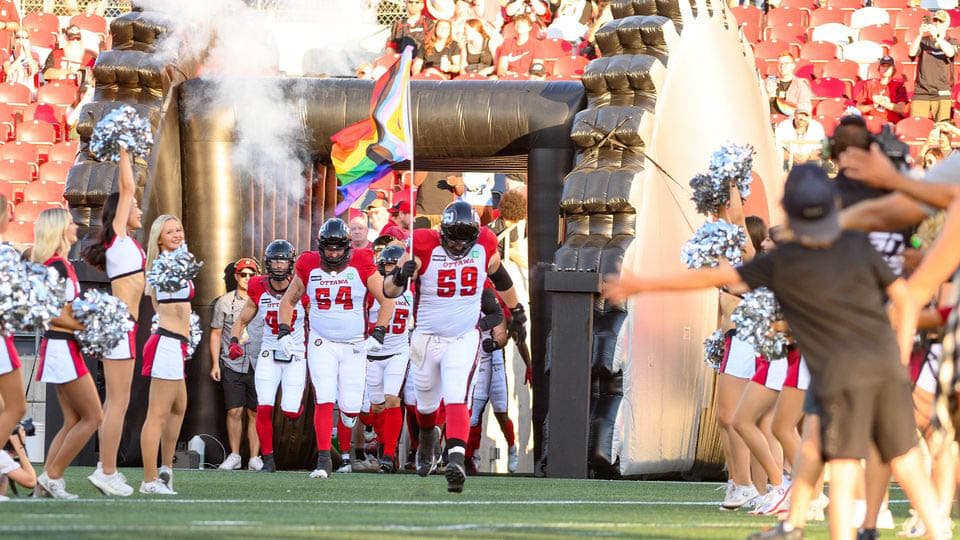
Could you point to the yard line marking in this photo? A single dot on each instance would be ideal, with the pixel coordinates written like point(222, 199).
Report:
point(379, 502)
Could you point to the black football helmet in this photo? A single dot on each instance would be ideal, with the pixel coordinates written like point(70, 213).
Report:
point(278, 252)
point(334, 234)
point(390, 255)
point(459, 229)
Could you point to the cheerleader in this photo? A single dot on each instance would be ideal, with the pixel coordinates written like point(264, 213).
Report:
point(118, 254)
point(60, 362)
point(13, 405)
point(163, 360)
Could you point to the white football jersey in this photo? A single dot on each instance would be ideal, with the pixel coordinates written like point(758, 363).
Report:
point(397, 339)
point(336, 298)
point(268, 310)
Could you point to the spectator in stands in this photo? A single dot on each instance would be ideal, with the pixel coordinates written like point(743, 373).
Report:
point(415, 26)
point(440, 54)
point(884, 96)
point(9, 16)
point(69, 61)
point(359, 232)
point(84, 96)
point(934, 53)
point(537, 71)
point(571, 19)
point(939, 139)
point(379, 214)
point(477, 53)
point(519, 52)
point(533, 10)
point(22, 67)
point(789, 92)
point(236, 375)
point(463, 11)
point(800, 138)
point(401, 216)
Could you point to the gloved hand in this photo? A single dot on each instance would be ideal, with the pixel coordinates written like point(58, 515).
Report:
point(489, 345)
point(375, 342)
point(285, 340)
point(235, 351)
point(517, 326)
point(404, 273)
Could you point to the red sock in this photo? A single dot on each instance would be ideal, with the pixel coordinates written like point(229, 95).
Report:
point(265, 428)
point(508, 433)
point(427, 420)
point(474, 443)
point(441, 415)
point(412, 426)
point(458, 425)
point(294, 416)
point(366, 418)
point(344, 434)
point(392, 425)
point(323, 424)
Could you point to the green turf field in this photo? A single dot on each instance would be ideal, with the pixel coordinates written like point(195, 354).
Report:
point(290, 505)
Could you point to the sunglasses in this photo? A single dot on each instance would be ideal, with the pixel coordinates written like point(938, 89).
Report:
point(246, 274)
point(74, 37)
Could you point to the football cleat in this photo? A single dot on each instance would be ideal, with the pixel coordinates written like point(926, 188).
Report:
point(387, 465)
point(324, 465)
point(411, 464)
point(346, 467)
point(426, 456)
point(268, 464)
point(513, 459)
point(456, 473)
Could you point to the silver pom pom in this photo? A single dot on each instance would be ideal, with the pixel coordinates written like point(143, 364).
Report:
point(713, 349)
point(754, 318)
point(121, 127)
point(172, 270)
point(30, 294)
point(106, 321)
point(196, 332)
point(734, 163)
point(714, 239)
point(709, 194)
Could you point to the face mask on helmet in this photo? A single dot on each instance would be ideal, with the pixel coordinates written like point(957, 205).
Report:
point(334, 243)
point(459, 229)
point(388, 259)
point(279, 269)
point(278, 259)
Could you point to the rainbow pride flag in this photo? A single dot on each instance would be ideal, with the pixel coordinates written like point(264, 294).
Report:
point(364, 152)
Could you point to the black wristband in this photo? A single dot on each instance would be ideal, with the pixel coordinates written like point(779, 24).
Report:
point(379, 333)
point(234, 340)
point(283, 330)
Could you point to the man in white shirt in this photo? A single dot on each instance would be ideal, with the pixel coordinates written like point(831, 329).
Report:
point(800, 138)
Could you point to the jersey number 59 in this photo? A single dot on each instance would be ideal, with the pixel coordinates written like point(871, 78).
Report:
point(447, 282)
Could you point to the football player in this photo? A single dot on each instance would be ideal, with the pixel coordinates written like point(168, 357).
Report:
point(275, 368)
point(336, 279)
point(450, 267)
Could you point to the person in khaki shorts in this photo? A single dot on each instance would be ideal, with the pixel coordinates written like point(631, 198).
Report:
point(934, 53)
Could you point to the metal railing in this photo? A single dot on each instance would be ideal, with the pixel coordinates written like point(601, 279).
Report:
point(69, 8)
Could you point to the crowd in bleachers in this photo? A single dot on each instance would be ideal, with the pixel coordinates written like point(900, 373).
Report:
point(855, 58)
point(47, 77)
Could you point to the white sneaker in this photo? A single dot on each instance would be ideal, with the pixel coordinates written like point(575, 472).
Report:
point(157, 487)
point(737, 496)
point(885, 519)
point(232, 463)
point(112, 484)
point(55, 488)
point(513, 459)
point(4, 498)
point(318, 473)
point(776, 499)
point(817, 507)
point(165, 475)
point(255, 463)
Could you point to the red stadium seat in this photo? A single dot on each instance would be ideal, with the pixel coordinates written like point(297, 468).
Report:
point(14, 94)
point(880, 33)
point(834, 107)
point(788, 33)
point(806, 70)
point(8, 115)
point(29, 211)
point(845, 4)
point(37, 132)
point(90, 22)
point(43, 28)
point(818, 51)
point(54, 171)
point(20, 151)
point(552, 49)
point(776, 118)
point(914, 128)
point(829, 123)
point(828, 15)
point(910, 18)
point(59, 93)
point(770, 50)
point(785, 15)
point(19, 233)
point(954, 17)
point(570, 66)
point(45, 192)
point(828, 87)
point(844, 70)
point(749, 15)
point(874, 123)
point(900, 52)
point(807, 5)
point(16, 172)
point(9, 190)
point(892, 5)
point(64, 151)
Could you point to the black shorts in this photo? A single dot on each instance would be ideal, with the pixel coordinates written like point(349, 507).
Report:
point(852, 418)
point(239, 389)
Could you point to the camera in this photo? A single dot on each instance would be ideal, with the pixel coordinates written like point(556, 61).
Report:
point(28, 429)
point(852, 132)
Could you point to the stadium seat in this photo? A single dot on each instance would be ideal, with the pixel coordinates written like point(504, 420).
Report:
point(910, 18)
point(806, 70)
point(869, 16)
point(428, 76)
point(16, 172)
point(863, 53)
point(19, 233)
point(914, 128)
point(880, 33)
point(54, 171)
point(43, 28)
point(828, 15)
point(46, 192)
point(570, 66)
point(14, 94)
point(785, 15)
point(37, 132)
point(770, 50)
point(807, 5)
point(90, 22)
point(874, 123)
point(776, 118)
point(64, 151)
point(954, 16)
point(828, 87)
point(61, 94)
point(900, 52)
point(836, 33)
point(747, 15)
point(8, 115)
point(889, 5)
point(20, 151)
point(795, 35)
point(844, 4)
point(29, 211)
point(555, 48)
point(844, 70)
point(9, 190)
point(829, 123)
point(954, 32)
point(818, 51)
point(834, 107)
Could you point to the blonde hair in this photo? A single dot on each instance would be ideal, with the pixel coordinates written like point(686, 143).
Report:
point(50, 234)
point(153, 243)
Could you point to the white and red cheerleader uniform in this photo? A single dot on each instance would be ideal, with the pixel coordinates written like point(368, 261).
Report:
point(165, 353)
point(445, 345)
point(9, 359)
point(274, 368)
point(60, 358)
point(124, 257)
point(739, 358)
point(790, 372)
point(335, 350)
point(387, 370)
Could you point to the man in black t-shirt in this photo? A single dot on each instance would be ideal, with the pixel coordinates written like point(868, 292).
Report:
point(831, 285)
point(934, 53)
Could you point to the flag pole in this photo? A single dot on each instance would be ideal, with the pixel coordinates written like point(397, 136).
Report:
point(413, 179)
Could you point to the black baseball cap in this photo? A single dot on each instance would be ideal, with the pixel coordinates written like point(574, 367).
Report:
point(887, 60)
point(810, 200)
